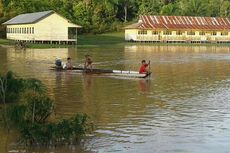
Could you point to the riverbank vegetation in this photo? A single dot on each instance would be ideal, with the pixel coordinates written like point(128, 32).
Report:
point(100, 16)
point(31, 112)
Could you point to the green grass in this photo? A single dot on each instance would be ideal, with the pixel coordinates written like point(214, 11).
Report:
point(107, 39)
point(86, 40)
point(101, 39)
point(6, 42)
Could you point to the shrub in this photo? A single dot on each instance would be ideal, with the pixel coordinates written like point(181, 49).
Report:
point(31, 116)
point(16, 86)
point(16, 115)
point(39, 108)
point(66, 131)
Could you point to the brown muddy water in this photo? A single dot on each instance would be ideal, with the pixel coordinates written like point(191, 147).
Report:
point(183, 108)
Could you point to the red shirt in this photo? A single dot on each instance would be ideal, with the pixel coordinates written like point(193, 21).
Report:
point(143, 68)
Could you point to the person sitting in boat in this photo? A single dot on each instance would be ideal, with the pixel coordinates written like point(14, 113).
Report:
point(88, 62)
point(143, 67)
point(69, 64)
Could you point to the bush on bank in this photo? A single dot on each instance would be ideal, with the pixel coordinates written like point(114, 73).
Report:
point(32, 111)
point(12, 87)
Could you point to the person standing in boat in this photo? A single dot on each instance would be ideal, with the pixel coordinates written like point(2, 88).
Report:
point(88, 62)
point(69, 65)
point(143, 67)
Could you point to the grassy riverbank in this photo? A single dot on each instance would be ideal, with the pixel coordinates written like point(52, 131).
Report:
point(88, 40)
point(107, 39)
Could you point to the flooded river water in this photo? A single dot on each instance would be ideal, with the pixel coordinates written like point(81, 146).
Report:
point(184, 107)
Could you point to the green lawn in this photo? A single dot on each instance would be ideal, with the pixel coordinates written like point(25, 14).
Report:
point(6, 42)
point(102, 39)
point(107, 39)
point(85, 40)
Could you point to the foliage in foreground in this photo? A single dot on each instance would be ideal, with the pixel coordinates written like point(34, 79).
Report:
point(32, 116)
point(13, 87)
point(45, 132)
point(66, 131)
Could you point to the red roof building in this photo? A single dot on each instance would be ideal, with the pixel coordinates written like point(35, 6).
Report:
point(179, 28)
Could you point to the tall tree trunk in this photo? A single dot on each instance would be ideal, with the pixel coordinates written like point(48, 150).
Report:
point(125, 9)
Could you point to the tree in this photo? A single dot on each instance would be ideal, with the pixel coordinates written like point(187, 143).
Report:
point(1, 9)
point(225, 9)
point(214, 7)
point(126, 5)
point(150, 7)
point(83, 15)
point(166, 2)
point(194, 7)
point(170, 9)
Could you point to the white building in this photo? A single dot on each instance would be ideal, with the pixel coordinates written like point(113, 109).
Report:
point(47, 26)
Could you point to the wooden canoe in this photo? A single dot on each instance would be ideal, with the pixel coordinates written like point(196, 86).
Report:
point(119, 73)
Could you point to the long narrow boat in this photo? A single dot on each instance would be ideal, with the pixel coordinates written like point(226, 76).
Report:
point(120, 73)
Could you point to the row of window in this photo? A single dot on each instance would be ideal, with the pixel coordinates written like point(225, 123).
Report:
point(26, 30)
point(144, 32)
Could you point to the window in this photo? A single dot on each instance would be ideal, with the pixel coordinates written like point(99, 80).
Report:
point(33, 30)
point(224, 33)
point(178, 33)
point(202, 33)
point(167, 33)
point(142, 32)
point(154, 32)
point(27, 30)
point(30, 30)
point(191, 33)
point(213, 33)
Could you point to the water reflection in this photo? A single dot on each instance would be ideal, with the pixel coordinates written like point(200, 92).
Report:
point(144, 85)
point(183, 107)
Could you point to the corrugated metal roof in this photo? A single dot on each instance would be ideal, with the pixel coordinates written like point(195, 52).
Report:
point(181, 22)
point(28, 18)
point(135, 25)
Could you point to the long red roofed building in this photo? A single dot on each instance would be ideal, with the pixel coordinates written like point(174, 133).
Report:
point(179, 29)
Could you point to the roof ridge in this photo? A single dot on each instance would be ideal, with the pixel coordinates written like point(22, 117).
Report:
point(182, 22)
point(29, 18)
point(35, 12)
point(184, 16)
